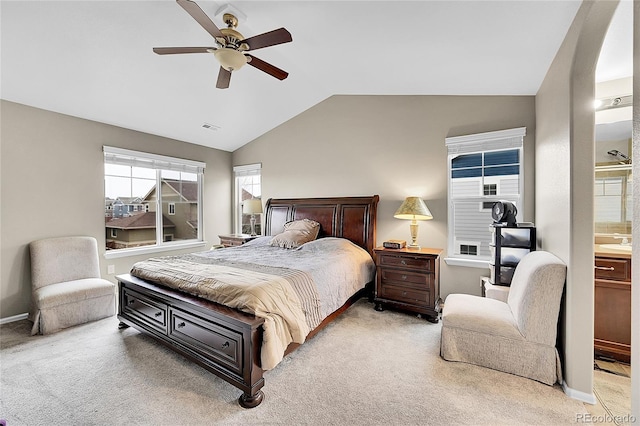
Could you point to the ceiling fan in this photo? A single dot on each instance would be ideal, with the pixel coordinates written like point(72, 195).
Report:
point(231, 45)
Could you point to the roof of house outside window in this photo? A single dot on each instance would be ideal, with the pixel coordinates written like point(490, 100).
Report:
point(139, 221)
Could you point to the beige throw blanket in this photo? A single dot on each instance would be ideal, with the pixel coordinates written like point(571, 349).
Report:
point(286, 298)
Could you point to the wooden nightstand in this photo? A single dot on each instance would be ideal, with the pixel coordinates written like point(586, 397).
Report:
point(409, 280)
point(230, 240)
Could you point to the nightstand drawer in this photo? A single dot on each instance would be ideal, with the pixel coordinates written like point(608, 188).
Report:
point(405, 261)
point(228, 242)
point(406, 295)
point(405, 277)
point(234, 240)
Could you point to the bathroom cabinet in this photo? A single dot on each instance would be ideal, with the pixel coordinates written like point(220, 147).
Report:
point(612, 314)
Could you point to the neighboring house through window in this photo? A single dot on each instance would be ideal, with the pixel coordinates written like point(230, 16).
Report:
point(482, 169)
point(143, 189)
point(248, 184)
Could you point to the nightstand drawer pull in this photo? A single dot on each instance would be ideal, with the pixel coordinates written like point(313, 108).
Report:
point(225, 345)
point(157, 314)
point(182, 324)
point(404, 262)
point(404, 277)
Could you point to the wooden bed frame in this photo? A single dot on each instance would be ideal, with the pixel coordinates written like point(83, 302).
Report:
point(223, 340)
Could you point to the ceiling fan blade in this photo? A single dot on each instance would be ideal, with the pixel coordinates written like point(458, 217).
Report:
point(271, 38)
point(175, 50)
point(198, 14)
point(267, 67)
point(224, 77)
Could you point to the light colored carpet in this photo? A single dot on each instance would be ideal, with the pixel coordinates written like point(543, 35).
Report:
point(367, 367)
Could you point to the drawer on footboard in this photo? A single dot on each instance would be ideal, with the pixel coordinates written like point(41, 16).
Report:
point(150, 312)
point(215, 341)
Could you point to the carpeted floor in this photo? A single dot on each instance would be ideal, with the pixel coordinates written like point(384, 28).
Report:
point(367, 367)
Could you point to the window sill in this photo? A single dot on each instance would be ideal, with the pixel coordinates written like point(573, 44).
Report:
point(469, 263)
point(114, 254)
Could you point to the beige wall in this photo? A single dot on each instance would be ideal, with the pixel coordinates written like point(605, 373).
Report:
point(52, 184)
point(392, 146)
point(564, 176)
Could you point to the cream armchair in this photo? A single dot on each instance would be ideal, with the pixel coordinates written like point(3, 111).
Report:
point(516, 337)
point(66, 284)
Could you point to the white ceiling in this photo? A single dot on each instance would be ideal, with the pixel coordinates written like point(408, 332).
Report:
point(93, 59)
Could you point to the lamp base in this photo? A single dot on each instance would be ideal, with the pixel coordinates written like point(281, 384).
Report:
point(253, 225)
point(413, 227)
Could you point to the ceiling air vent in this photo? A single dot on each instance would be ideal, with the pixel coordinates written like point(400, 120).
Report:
point(211, 126)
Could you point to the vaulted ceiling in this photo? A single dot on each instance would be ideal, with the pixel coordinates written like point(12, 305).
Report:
point(93, 59)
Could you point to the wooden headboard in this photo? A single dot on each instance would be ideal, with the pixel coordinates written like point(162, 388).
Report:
point(353, 218)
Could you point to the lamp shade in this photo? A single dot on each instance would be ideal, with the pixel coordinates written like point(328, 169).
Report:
point(252, 206)
point(413, 208)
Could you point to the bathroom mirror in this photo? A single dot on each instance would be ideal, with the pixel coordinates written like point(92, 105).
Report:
point(613, 206)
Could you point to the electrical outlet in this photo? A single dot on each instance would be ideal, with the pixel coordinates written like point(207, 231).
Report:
point(111, 269)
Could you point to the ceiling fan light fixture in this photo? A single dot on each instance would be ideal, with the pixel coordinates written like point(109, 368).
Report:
point(230, 59)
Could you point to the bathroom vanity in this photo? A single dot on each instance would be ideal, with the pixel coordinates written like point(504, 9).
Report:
point(612, 315)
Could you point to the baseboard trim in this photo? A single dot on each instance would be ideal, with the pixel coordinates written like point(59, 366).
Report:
point(14, 318)
point(589, 398)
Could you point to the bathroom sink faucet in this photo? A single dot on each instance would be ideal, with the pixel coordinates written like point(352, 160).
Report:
point(625, 240)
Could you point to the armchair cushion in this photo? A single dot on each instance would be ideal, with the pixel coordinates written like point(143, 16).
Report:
point(72, 292)
point(497, 319)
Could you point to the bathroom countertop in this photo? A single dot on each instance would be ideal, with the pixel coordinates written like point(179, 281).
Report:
point(606, 252)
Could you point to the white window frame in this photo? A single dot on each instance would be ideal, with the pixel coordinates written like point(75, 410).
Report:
point(472, 144)
point(172, 209)
point(157, 162)
point(238, 172)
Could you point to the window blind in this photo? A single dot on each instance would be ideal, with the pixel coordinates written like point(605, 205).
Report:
point(247, 170)
point(126, 157)
point(490, 141)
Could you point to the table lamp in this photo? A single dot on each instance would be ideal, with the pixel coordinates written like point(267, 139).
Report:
point(252, 206)
point(413, 209)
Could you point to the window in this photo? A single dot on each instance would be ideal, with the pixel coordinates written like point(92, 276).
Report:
point(469, 249)
point(490, 189)
point(143, 190)
point(248, 185)
point(482, 169)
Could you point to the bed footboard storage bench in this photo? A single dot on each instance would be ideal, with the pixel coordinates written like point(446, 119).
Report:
point(222, 340)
